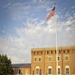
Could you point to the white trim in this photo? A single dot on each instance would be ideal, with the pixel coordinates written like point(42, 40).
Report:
point(49, 66)
point(37, 67)
point(67, 66)
point(58, 66)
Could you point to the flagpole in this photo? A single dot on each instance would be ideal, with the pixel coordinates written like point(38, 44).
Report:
point(48, 17)
point(56, 48)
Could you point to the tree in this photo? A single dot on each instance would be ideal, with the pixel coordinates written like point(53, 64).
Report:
point(5, 65)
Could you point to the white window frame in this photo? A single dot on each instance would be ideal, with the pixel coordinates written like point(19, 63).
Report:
point(36, 59)
point(19, 71)
point(65, 57)
point(59, 58)
point(49, 67)
point(65, 70)
point(60, 70)
point(37, 67)
point(40, 58)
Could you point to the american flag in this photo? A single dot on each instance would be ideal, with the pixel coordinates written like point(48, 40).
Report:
point(51, 13)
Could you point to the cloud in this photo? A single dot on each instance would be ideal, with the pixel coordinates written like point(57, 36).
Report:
point(33, 34)
point(68, 22)
point(37, 33)
point(37, 0)
point(22, 10)
point(17, 11)
point(73, 7)
point(15, 48)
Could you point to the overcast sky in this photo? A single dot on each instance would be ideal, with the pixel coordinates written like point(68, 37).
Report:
point(23, 26)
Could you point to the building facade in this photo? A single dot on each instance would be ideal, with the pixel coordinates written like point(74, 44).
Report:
point(48, 61)
point(22, 69)
point(43, 61)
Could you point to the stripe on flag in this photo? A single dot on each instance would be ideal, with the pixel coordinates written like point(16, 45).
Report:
point(51, 13)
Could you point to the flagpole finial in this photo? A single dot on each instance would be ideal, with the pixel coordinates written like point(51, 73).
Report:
point(55, 4)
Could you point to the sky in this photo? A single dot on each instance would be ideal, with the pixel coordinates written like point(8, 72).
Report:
point(23, 26)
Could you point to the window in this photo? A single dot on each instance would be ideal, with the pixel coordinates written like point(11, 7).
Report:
point(68, 51)
point(39, 59)
point(58, 58)
point(19, 71)
point(67, 70)
point(35, 59)
point(47, 52)
point(58, 70)
point(37, 71)
point(66, 57)
point(51, 52)
point(37, 52)
point(49, 70)
point(49, 58)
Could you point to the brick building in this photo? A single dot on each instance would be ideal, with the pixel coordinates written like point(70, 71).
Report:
point(43, 61)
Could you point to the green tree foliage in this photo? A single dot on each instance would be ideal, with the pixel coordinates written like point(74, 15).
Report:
point(5, 65)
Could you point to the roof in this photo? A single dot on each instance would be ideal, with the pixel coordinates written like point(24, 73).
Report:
point(27, 65)
point(53, 48)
